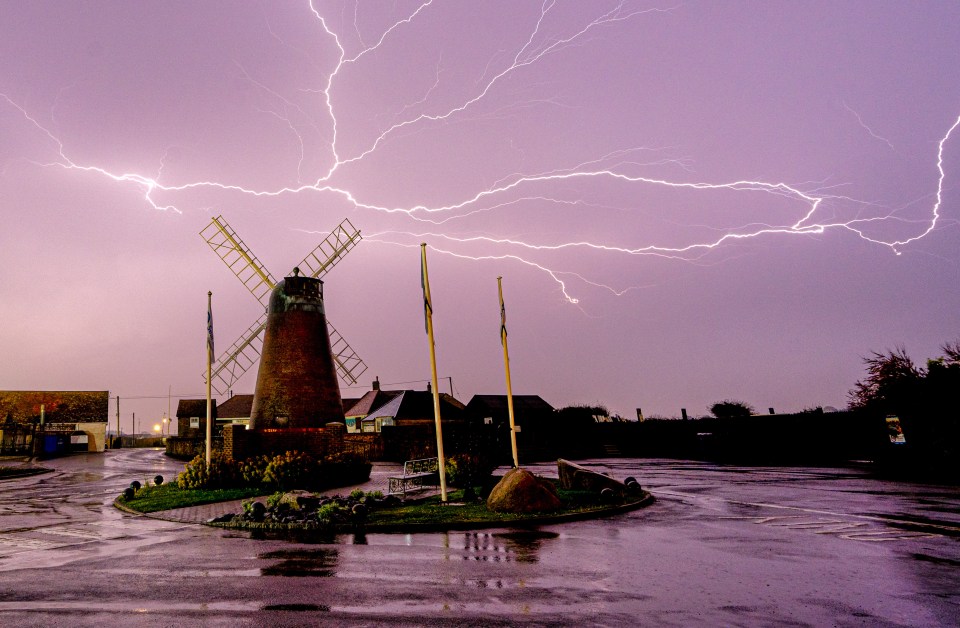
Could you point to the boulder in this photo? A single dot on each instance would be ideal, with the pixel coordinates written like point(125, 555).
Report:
point(521, 492)
point(577, 478)
point(300, 500)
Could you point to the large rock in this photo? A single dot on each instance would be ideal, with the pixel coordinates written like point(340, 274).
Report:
point(300, 500)
point(578, 478)
point(521, 491)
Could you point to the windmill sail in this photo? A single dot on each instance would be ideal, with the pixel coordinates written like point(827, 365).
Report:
point(238, 258)
point(237, 360)
point(349, 365)
point(328, 253)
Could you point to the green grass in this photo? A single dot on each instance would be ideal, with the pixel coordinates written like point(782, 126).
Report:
point(430, 511)
point(168, 496)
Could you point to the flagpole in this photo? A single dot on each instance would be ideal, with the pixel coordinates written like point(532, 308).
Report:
point(209, 373)
point(506, 367)
point(428, 312)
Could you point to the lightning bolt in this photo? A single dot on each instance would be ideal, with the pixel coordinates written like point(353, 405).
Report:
point(517, 189)
point(868, 129)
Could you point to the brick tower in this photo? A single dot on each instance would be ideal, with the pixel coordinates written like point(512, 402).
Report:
point(297, 380)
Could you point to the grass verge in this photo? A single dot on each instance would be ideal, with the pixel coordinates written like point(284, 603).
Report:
point(169, 496)
point(430, 512)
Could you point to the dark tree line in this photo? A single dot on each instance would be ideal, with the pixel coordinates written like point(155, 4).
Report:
point(925, 398)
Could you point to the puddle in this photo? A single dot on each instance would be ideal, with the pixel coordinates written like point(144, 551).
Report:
point(311, 563)
point(296, 607)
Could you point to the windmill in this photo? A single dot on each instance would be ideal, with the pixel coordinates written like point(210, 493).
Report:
point(245, 352)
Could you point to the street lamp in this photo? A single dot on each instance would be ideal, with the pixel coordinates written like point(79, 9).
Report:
point(156, 428)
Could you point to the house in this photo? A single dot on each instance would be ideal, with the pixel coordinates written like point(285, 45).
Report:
point(80, 417)
point(192, 418)
point(236, 409)
point(408, 408)
point(358, 410)
point(535, 420)
point(493, 409)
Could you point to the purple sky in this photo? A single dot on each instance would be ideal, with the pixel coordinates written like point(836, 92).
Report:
point(687, 201)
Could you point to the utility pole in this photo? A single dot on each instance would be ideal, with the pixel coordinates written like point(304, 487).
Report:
point(133, 425)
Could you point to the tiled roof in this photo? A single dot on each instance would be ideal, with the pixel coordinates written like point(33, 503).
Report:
point(497, 404)
point(236, 407)
point(418, 404)
point(194, 407)
point(372, 399)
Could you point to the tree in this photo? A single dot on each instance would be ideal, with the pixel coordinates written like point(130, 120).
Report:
point(730, 408)
point(927, 401)
point(891, 381)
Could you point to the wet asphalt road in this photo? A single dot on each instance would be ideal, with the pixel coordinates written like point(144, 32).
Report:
point(721, 546)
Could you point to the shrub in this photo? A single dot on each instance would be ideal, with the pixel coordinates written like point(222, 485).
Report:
point(332, 512)
point(223, 473)
point(468, 470)
point(253, 469)
point(731, 408)
point(293, 469)
point(274, 499)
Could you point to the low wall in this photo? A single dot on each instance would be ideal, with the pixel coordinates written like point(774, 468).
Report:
point(320, 442)
point(186, 448)
point(367, 446)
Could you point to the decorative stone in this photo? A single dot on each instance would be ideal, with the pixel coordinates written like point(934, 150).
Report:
point(578, 478)
point(520, 491)
point(299, 500)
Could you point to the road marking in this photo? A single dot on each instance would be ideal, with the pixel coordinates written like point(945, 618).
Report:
point(830, 526)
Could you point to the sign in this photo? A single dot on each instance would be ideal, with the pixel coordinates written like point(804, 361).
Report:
point(894, 430)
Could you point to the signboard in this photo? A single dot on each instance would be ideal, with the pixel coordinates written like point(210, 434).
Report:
point(894, 430)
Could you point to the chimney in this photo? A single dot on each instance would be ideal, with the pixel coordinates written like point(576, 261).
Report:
point(376, 383)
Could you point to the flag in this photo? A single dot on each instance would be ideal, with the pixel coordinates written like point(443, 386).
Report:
point(210, 351)
point(503, 314)
point(425, 284)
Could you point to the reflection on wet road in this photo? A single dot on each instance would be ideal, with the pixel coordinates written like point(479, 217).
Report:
point(721, 546)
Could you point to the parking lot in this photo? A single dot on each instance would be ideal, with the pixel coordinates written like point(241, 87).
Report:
point(721, 546)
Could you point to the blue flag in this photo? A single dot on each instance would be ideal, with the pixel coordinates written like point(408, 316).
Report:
point(503, 313)
point(425, 284)
point(210, 350)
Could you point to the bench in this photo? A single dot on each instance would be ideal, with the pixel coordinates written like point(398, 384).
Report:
point(415, 475)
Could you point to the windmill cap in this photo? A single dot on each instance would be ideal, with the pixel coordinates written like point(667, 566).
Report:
point(297, 293)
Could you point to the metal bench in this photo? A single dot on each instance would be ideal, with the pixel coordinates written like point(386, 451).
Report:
point(415, 475)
